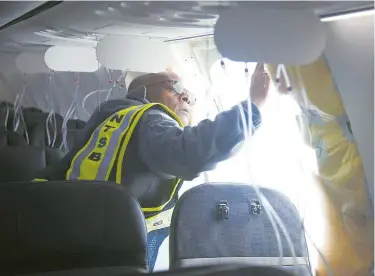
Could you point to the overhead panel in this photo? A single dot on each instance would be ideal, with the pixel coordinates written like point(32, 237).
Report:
point(71, 59)
point(134, 54)
point(31, 63)
point(11, 10)
point(270, 36)
point(84, 23)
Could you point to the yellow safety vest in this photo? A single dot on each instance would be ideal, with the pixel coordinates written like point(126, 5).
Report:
point(95, 161)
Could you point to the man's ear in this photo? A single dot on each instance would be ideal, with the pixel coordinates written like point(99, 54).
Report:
point(138, 93)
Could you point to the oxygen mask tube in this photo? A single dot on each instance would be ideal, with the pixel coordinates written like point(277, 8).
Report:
point(248, 134)
point(64, 145)
point(98, 91)
point(281, 72)
point(249, 105)
point(7, 116)
point(305, 104)
point(123, 85)
point(51, 118)
point(108, 92)
point(206, 176)
point(18, 114)
point(270, 212)
point(114, 84)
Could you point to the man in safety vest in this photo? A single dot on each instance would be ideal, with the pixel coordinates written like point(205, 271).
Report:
point(144, 143)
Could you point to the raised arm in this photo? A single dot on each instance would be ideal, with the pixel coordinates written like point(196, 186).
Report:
point(172, 151)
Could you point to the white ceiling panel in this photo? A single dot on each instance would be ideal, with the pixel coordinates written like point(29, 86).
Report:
point(83, 23)
point(10, 10)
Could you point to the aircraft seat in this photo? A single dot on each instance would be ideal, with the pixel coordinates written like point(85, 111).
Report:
point(38, 133)
point(5, 112)
point(32, 110)
point(75, 132)
point(10, 138)
point(70, 225)
point(217, 270)
point(19, 161)
point(76, 124)
point(32, 117)
point(7, 117)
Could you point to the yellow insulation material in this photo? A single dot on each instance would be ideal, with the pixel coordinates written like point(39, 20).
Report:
point(348, 245)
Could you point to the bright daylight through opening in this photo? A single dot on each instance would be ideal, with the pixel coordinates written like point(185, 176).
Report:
point(278, 158)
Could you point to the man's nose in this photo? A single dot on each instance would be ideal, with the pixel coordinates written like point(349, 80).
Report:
point(185, 98)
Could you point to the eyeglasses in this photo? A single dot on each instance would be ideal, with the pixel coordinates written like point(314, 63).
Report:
point(178, 88)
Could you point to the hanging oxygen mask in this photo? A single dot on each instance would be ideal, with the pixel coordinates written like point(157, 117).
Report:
point(283, 85)
point(72, 108)
point(51, 122)
point(245, 111)
point(68, 115)
point(7, 107)
point(6, 115)
point(18, 117)
point(274, 218)
point(119, 83)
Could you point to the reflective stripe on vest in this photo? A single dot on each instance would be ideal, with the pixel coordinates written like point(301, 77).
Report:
point(96, 159)
point(159, 208)
point(93, 161)
point(39, 180)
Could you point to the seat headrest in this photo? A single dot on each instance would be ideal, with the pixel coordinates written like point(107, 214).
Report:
point(33, 119)
point(6, 103)
point(74, 137)
point(6, 111)
point(10, 138)
point(76, 124)
point(10, 124)
point(32, 110)
point(22, 163)
point(38, 134)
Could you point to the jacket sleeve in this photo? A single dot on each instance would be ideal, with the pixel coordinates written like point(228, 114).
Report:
point(172, 151)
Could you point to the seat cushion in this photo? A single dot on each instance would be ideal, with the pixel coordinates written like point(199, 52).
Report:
point(218, 270)
point(53, 156)
point(94, 271)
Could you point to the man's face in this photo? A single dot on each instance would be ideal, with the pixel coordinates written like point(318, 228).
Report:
point(175, 97)
point(178, 103)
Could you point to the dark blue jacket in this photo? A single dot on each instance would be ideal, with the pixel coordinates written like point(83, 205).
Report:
point(161, 150)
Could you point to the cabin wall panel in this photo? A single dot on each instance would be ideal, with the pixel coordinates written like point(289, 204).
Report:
point(350, 55)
